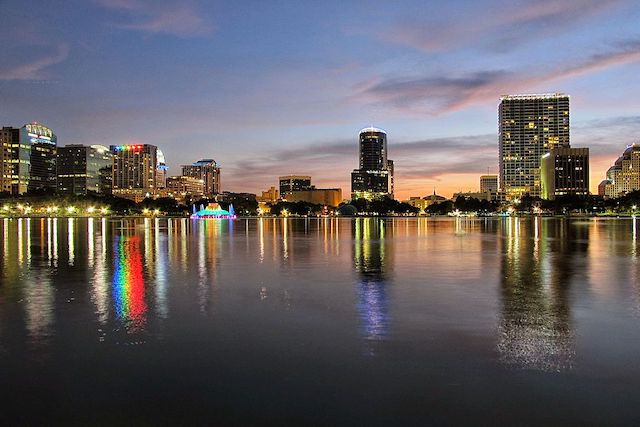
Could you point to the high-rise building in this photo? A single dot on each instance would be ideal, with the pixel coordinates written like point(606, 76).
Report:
point(529, 126)
point(564, 171)
point(28, 158)
point(161, 173)
point(290, 183)
point(42, 144)
point(181, 186)
point(208, 171)
point(84, 169)
point(374, 177)
point(134, 170)
point(624, 176)
point(8, 137)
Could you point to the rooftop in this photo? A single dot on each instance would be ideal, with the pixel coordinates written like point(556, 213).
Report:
point(372, 129)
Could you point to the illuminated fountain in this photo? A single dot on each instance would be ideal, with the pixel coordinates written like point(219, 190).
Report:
point(213, 210)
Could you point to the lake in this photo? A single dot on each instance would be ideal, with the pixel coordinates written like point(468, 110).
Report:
point(406, 321)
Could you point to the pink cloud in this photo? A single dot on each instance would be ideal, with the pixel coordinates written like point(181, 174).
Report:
point(34, 70)
point(510, 26)
point(182, 19)
point(445, 94)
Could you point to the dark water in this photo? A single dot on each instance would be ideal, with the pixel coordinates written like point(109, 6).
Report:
point(320, 322)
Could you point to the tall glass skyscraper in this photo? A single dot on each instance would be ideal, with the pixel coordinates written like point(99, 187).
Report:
point(529, 127)
point(374, 178)
point(28, 159)
point(84, 169)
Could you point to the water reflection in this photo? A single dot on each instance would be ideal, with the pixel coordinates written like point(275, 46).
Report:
point(370, 261)
point(535, 330)
point(128, 290)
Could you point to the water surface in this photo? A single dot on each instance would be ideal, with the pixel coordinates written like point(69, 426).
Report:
point(511, 321)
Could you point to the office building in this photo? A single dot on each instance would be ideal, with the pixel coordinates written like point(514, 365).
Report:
point(8, 137)
point(208, 171)
point(294, 183)
point(181, 186)
point(161, 173)
point(529, 126)
point(624, 176)
point(318, 196)
point(489, 184)
point(41, 144)
point(134, 171)
point(374, 177)
point(28, 159)
point(84, 169)
point(563, 172)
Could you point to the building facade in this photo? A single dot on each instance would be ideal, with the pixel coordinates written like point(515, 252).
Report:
point(291, 183)
point(28, 159)
point(134, 171)
point(489, 184)
point(42, 143)
point(208, 171)
point(181, 186)
point(374, 177)
point(270, 196)
point(624, 176)
point(162, 172)
point(564, 171)
point(84, 169)
point(318, 196)
point(529, 126)
point(8, 137)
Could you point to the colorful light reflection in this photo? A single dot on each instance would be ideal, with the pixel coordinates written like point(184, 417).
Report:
point(128, 283)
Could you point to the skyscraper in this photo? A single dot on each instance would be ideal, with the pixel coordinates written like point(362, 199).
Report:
point(529, 126)
point(624, 176)
point(134, 170)
point(8, 137)
point(374, 177)
point(161, 173)
point(42, 147)
point(564, 171)
point(84, 169)
point(208, 171)
point(28, 158)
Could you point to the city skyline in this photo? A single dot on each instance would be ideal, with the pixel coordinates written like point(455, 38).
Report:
point(233, 83)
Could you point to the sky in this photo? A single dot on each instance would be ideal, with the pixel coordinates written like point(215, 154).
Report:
point(269, 88)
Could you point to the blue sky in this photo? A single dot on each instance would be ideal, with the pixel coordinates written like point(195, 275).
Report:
point(279, 87)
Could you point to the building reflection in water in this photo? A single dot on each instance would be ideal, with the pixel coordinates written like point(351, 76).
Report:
point(371, 263)
point(128, 290)
point(535, 329)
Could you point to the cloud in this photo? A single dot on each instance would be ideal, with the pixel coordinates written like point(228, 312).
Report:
point(444, 94)
point(34, 69)
point(182, 19)
point(420, 164)
point(497, 27)
point(448, 164)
